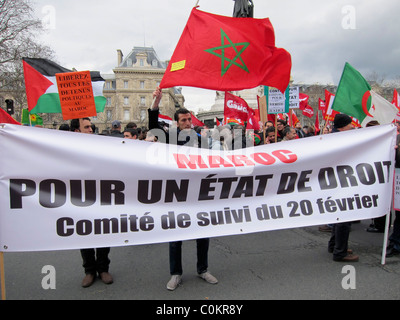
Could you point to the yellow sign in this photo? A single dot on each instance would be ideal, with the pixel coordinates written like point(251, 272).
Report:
point(178, 65)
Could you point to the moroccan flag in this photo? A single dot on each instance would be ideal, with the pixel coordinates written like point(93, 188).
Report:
point(41, 86)
point(6, 118)
point(355, 98)
point(227, 54)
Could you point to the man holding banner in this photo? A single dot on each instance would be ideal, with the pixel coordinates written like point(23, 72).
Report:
point(94, 260)
point(184, 122)
point(338, 243)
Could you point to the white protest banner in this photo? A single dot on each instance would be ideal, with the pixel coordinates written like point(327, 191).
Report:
point(64, 190)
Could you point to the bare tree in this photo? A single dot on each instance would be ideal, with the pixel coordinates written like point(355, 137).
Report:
point(18, 33)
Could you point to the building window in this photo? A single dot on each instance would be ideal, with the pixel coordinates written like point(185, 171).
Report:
point(143, 101)
point(127, 115)
point(109, 115)
point(141, 84)
point(126, 101)
point(108, 103)
point(126, 84)
point(143, 115)
point(141, 62)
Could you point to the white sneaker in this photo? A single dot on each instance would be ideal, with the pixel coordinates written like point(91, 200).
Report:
point(174, 282)
point(208, 277)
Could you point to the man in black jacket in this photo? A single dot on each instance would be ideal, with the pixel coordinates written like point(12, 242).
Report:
point(188, 137)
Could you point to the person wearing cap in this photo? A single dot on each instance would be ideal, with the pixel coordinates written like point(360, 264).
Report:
point(338, 243)
point(116, 129)
point(342, 122)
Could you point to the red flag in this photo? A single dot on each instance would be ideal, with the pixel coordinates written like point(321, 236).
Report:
point(252, 122)
point(227, 54)
point(6, 118)
point(294, 119)
point(317, 128)
point(166, 119)
point(321, 104)
point(303, 98)
point(329, 113)
point(197, 122)
point(236, 108)
point(396, 99)
point(308, 111)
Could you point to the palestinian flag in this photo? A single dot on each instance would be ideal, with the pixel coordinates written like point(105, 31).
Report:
point(41, 86)
point(355, 98)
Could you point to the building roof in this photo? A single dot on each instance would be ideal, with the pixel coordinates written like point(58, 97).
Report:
point(151, 57)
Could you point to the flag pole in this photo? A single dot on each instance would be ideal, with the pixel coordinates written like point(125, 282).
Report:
point(2, 277)
point(386, 236)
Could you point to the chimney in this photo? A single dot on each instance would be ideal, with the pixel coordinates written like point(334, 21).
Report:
point(120, 57)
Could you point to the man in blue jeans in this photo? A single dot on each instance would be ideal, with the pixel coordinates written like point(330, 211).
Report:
point(188, 137)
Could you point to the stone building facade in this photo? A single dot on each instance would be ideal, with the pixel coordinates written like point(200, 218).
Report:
point(129, 90)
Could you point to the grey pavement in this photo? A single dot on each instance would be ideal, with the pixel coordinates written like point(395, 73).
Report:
point(285, 264)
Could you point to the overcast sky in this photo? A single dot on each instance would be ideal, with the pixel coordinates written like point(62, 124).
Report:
point(320, 35)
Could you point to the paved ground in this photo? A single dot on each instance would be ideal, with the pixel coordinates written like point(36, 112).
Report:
point(285, 264)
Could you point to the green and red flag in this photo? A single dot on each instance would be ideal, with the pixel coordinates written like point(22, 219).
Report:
point(227, 54)
point(355, 98)
point(41, 86)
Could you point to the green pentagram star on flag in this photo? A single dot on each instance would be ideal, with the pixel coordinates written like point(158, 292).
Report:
point(223, 56)
point(227, 54)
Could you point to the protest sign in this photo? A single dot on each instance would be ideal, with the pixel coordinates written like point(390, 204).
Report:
point(76, 95)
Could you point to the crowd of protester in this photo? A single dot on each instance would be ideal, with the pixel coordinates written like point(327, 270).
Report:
point(224, 137)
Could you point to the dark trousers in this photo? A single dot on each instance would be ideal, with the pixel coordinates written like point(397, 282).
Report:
point(175, 256)
point(395, 236)
point(95, 260)
point(338, 242)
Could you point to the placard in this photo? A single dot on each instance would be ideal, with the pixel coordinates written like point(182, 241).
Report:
point(76, 95)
